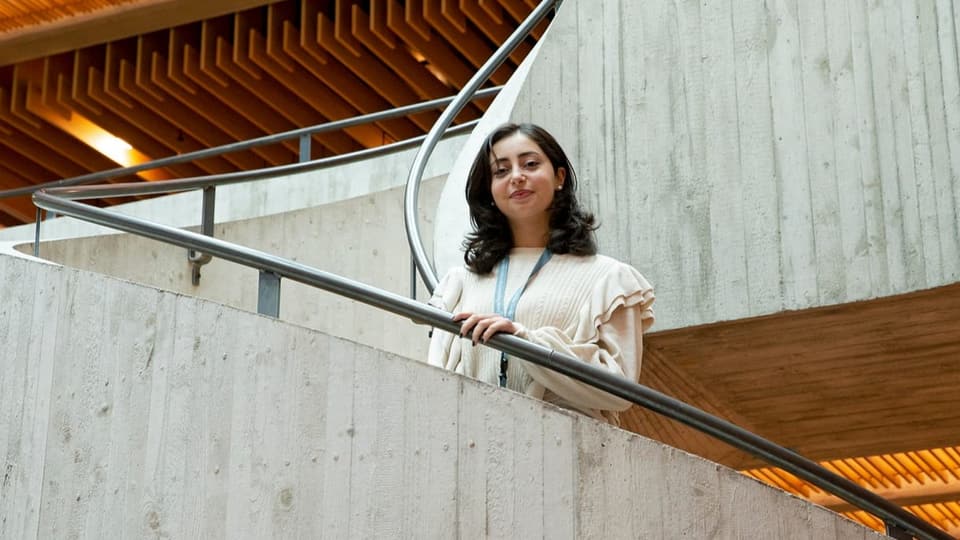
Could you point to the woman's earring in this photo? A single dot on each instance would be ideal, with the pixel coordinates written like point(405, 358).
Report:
point(492, 203)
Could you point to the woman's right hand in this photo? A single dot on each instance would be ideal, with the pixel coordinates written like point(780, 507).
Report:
point(483, 326)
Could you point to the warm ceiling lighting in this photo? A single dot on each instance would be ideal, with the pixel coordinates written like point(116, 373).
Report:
point(113, 147)
point(101, 140)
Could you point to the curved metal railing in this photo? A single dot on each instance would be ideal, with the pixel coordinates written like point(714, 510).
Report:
point(412, 193)
point(303, 134)
point(304, 164)
point(899, 522)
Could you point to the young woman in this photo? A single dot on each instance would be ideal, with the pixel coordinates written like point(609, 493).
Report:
point(532, 270)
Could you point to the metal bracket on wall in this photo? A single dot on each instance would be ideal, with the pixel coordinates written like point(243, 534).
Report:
point(268, 294)
point(196, 258)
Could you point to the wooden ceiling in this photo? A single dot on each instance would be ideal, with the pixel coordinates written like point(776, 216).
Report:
point(237, 76)
point(867, 389)
point(22, 15)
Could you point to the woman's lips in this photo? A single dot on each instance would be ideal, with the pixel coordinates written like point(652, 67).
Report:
point(521, 194)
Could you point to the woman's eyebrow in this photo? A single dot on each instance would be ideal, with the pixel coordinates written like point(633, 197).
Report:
point(520, 156)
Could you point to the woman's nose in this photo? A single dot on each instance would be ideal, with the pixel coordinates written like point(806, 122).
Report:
point(516, 175)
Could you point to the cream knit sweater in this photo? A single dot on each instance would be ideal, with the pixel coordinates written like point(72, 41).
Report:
point(595, 308)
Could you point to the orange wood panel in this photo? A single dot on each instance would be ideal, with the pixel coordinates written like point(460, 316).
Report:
point(498, 32)
point(309, 9)
point(341, 27)
point(16, 211)
point(318, 95)
point(341, 79)
point(172, 92)
point(519, 10)
point(144, 131)
point(434, 51)
point(172, 79)
point(21, 208)
point(45, 144)
point(367, 67)
point(450, 9)
point(38, 158)
point(171, 134)
point(134, 81)
point(378, 25)
point(493, 8)
point(27, 78)
point(402, 62)
point(195, 86)
point(413, 17)
point(470, 45)
point(9, 214)
point(363, 101)
point(21, 164)
point(20, 14)
point(267, 118)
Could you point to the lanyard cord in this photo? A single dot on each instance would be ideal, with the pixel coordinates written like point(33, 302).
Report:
point(511, 308)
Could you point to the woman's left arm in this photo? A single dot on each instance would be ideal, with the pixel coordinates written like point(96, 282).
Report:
point(617, 349)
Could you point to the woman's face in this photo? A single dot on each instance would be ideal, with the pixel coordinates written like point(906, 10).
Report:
point(523, 182)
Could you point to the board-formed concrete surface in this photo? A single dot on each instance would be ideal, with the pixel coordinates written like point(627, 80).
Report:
point(131, 412)
point(361, 238)
point(757, 157)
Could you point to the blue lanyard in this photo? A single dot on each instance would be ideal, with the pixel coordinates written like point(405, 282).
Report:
point(511, 309)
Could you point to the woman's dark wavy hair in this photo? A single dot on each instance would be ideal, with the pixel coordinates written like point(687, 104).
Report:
point(571, 228)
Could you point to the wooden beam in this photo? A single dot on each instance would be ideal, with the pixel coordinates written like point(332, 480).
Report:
point(135, 82)
point(659, 374)
point(930, 492)
point(111, 24)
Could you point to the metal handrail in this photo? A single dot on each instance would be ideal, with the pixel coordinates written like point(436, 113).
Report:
point(898, 521)
point(166, 187)
point(335, 125)
point(55, 200)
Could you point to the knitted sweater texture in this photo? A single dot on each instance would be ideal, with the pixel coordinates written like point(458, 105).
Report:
point(594, 308)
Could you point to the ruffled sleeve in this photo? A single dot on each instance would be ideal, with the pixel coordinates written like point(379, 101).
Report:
point(607, 333)
point(444, 349)
point(447, 294)
point(623, 287)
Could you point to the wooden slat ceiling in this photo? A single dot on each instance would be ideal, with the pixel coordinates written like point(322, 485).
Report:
point(868, 389)
point(19, 15)
point(926, 482)
point(245, 74)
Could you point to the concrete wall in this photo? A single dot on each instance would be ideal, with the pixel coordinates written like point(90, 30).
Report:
point(131, 412)
point(360, 238)
point(756, 157)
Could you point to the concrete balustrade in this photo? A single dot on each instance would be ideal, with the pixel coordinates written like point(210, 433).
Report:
point(361, 238)
point(131, 412)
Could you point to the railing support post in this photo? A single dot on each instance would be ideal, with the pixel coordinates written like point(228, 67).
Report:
point(413, 279)
point(196, 258)
point(268, 294)
point(36, 233)
point(305, 148)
